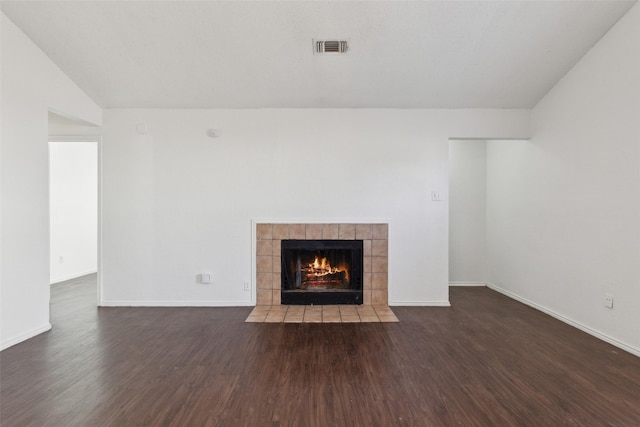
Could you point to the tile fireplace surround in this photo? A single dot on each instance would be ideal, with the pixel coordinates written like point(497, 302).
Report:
point(375, 239)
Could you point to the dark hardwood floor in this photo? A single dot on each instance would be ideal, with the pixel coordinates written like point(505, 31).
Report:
point(486, 361)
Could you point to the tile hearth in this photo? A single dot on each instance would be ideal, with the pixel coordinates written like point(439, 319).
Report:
point(321, 314)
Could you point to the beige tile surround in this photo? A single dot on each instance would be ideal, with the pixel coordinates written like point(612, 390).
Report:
point(375, 238)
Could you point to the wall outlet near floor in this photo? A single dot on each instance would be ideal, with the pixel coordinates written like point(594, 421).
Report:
point(60, 259)
point(247, 287)
point(205, 278)
point(608, 300)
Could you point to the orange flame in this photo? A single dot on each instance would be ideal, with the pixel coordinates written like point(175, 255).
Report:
point(322, 267)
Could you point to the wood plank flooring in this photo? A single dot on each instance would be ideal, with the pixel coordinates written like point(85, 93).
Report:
point(485, 361)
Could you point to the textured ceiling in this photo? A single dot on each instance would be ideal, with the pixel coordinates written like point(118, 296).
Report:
point(243, 54)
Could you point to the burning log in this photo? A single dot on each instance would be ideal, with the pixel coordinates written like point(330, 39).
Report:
point(325, 281)
point(321, 275)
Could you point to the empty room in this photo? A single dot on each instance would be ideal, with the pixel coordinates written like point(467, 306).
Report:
point(320, 213)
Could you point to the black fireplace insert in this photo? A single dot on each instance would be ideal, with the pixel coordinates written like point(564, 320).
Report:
point(321, 272)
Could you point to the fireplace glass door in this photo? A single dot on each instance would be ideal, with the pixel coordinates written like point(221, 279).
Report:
point(321, 272)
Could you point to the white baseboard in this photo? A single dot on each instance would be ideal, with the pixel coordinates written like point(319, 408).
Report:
point(568, 321)
point(467, 284)
point(177, 304)
point(419, 304)
point(243, 304)
point(32, 333)
point(72, 276)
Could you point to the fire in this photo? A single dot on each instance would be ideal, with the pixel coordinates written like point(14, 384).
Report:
point(320, 264)
point(322, 267)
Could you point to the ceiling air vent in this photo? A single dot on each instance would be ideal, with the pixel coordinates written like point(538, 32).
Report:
point(331, 46)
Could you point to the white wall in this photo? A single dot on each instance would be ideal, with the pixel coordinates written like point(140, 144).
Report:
point(73, 170)
point(60, 127)
point(467, 209)
point(177, 203)
point(564, 208)
point(31, 84)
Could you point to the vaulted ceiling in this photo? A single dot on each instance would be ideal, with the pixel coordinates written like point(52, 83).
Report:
point(259, 54)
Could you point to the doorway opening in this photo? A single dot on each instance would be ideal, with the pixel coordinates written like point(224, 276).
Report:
point(467, 212)
point(73, 208)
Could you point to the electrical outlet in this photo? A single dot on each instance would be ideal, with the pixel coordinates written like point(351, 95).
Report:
point(247, 287)
point(205, 278)
point(608, 300)
point(61, 259)
point(435, 196)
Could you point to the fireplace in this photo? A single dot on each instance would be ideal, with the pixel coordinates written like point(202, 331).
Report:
point(321, 272)
point(268, 251)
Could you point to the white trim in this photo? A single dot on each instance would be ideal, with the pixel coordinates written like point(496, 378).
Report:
point(73, 276)
point(467, 284)
point(100, 293)
point(253, 280)
point(419, 304)
point(20, 338)
point(568, 321)
point(177, 304)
